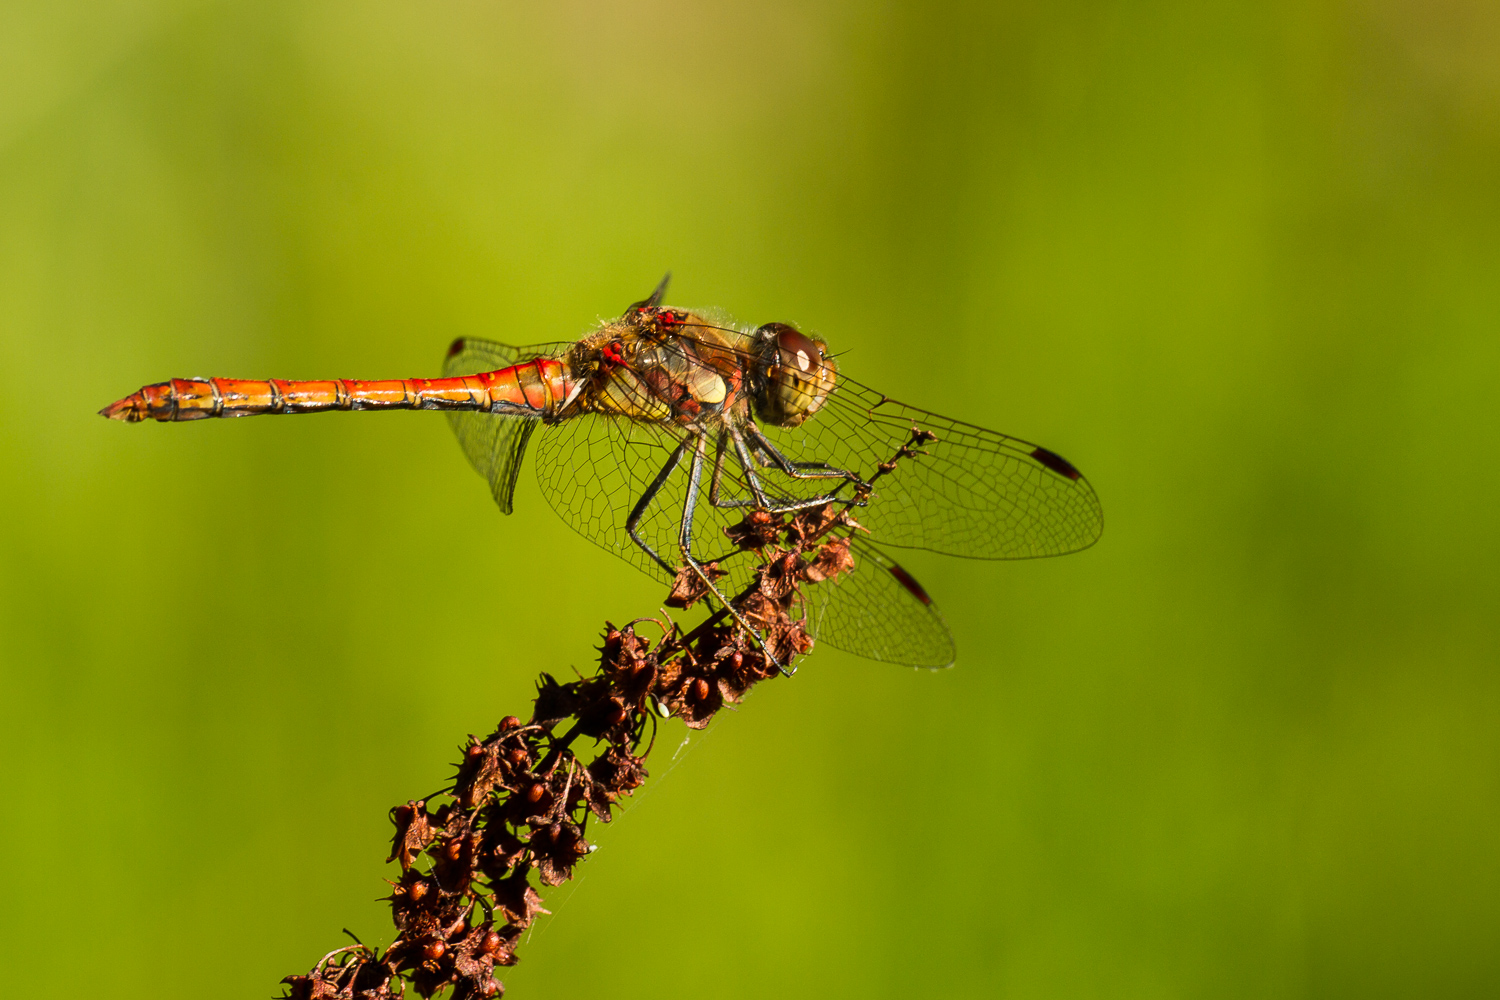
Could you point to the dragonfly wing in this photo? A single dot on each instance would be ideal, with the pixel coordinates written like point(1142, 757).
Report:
point(966, 491)
point(494, 444)
point(599, 470)
point(594, 469)
point(878, 610)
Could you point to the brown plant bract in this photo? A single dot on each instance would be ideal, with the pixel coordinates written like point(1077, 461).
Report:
point(522, 798)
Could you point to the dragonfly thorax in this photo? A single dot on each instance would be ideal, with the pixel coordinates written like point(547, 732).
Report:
point(641, 367)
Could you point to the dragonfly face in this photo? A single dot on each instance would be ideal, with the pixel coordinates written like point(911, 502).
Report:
point(794, 375)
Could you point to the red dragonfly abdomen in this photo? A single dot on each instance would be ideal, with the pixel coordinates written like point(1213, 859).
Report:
point(538, 388)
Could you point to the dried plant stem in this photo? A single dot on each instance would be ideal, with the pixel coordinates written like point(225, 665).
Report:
point(522, 797)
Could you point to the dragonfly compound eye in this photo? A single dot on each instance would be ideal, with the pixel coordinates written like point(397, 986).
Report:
point(796, 375)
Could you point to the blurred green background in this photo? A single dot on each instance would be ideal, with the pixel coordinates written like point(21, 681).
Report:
point(1240, 262)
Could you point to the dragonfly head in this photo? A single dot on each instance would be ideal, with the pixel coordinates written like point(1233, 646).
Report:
point(794, 375)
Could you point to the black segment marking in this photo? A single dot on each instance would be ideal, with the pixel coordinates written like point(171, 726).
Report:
point(909, 582)
point(1056, 463)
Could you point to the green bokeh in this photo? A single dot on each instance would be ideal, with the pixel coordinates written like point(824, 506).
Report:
point(1240, 262)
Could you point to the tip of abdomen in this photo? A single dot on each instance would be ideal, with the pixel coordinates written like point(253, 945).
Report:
point(130, 409)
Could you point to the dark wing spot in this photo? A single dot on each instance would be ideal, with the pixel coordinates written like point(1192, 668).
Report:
point(455, 347)
point(1056, 463)
point(909, 582)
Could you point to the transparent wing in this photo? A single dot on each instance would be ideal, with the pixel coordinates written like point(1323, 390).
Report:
point(605, 474)
point(953, 488)
point(967, 491)
point(595, 469)
point(878, 610)
point(494, 444)
point(598, 472)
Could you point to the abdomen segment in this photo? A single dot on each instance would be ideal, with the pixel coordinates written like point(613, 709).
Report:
point(538, 388)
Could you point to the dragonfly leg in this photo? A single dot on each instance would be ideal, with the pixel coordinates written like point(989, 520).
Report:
point(760, 499)
point(685, 542)
point(751, 479)
point(778, 506)
point(639, 511)
point(716, 480)
point(798, 470)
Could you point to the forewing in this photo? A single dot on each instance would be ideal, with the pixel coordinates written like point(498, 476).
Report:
point(494, 444)
point(966, 491)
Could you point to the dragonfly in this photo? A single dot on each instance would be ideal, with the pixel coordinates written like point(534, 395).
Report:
point(661, 430)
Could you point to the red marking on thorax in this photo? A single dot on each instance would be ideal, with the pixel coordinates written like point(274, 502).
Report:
point(733, 382)
point(614, 354)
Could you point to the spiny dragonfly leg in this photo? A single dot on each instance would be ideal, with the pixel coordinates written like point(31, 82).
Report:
point(777, 506)
point(685, 542)
point(799, 470)
point(751, 479)
point(716, 482)
point(639, 511)
point(759, 497)
point(716, 479)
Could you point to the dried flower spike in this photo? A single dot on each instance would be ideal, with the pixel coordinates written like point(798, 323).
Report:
point(521, 798)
